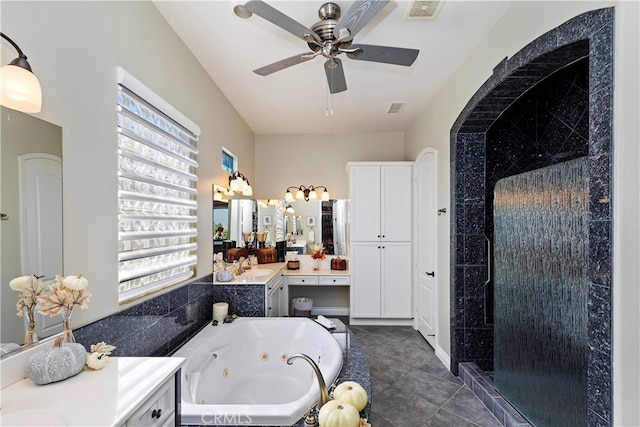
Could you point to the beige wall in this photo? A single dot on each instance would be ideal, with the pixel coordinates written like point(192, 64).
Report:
point(291, 160)
point(522, 23)
point(21, 134)
point(74, 49)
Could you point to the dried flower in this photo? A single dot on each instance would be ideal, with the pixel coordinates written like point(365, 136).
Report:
point(318, 251)
point(61, 298)
point(29, 288)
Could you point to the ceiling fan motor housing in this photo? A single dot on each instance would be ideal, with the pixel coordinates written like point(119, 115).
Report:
point(329, 14)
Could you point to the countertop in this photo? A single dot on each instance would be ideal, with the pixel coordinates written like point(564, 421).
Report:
point(105, 397)
point(306, 269)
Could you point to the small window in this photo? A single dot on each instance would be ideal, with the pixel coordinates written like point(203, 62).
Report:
point(229, 161)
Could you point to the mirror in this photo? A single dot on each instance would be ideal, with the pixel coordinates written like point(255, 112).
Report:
point(304, 222)
point(31, 204)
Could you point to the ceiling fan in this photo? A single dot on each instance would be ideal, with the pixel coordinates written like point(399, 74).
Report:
point(330, 37)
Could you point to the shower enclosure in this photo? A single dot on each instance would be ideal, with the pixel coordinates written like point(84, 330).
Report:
point(540, 257)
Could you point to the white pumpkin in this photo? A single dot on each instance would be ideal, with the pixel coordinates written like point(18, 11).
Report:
point(18, 283)
point(57, 363)
point(335, 413)
point(353, 393)
point(75, 283)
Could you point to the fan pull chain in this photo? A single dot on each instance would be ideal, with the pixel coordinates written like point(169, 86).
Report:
point(329, 97)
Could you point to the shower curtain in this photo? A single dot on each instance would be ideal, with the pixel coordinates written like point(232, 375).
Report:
point(541, 246)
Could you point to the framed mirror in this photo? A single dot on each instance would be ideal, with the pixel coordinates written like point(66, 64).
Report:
point(31, 204)
point(305, 222)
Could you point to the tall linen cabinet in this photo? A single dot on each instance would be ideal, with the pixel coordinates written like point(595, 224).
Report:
point(380, 242)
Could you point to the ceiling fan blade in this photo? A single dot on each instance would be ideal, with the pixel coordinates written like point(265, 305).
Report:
point(278, 18)
point(335, 75)
point(385, 54)
point(282, 64)
point(360, 13)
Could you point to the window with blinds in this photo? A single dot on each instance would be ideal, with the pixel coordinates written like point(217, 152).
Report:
point(157, 220)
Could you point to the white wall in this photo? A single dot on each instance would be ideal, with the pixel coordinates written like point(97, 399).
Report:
point(283, 161)
point(74, 49)
point(521, 24)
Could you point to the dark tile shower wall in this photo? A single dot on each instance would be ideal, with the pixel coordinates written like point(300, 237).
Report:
point(589, 34)
point(547, 125)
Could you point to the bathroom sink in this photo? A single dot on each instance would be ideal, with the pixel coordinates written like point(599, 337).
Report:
point(32, 418)
point(257, 272)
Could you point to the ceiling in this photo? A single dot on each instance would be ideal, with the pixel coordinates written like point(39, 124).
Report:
point(296, 100)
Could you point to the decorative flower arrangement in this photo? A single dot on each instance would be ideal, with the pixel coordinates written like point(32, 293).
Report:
point(318, 251)
point(30, 288)
point(65, 293)
point(99, 355)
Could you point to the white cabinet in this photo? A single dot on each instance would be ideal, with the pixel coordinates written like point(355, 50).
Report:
point(275, 302)
point(158, 410)
point(381, 248)
point(380, 201)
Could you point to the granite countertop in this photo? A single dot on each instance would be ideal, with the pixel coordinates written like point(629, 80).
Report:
point(354, 368)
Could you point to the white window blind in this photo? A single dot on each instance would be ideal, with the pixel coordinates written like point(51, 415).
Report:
point(157, 219)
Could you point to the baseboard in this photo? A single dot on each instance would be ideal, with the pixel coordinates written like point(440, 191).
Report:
point(380, 322)
point(444, 357)
point(330, 311)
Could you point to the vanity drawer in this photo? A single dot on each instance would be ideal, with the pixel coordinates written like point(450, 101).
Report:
point(302, 280)
point(334, 280)
point(158, 409)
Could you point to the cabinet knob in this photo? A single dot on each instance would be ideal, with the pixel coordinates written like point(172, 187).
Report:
point(156, 413)
point(334, 280)
point(302, 280)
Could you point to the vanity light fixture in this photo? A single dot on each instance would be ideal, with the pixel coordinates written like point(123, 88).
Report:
point(306, 193)
point(20, 88)
point(238, 183)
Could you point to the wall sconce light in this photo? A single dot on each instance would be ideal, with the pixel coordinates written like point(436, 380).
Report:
point(306, 193)
point(20, 88)
point(238, 183)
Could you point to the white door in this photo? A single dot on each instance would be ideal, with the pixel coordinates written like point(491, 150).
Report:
point(396, 280)
point(426, 244)
point(364, 184)
point(41, 226)
point(365, 279)
point(395, 203)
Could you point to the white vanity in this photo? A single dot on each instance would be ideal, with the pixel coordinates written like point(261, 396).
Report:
point(129, 391)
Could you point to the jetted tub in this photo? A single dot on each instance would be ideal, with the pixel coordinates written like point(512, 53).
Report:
point(237, 373)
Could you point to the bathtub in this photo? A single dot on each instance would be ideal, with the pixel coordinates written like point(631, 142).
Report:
point(236, 373)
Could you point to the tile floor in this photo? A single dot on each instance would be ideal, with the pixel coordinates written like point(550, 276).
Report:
point(411, 387)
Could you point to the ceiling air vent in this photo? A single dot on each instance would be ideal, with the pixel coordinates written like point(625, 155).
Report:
point(396, 107)
point(419, 10)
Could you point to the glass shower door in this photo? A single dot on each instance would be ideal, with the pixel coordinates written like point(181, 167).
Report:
point(540, 274)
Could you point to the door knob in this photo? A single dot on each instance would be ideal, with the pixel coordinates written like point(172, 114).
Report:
point(432, 274)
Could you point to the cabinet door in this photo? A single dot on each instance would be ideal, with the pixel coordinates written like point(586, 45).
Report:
point(364, 182)
point(396, 280)
point(395, 202)
point(365, 279)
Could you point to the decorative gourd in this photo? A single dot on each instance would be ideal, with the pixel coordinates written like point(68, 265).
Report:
point(75, 283)
point(57, 363)
point(336, 413)
point(353, 393)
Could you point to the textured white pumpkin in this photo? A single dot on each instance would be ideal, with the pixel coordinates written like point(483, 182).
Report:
point(75, 283)
point(18, 283)
point(56, 363)
point(336, 413)
point(351, 392)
